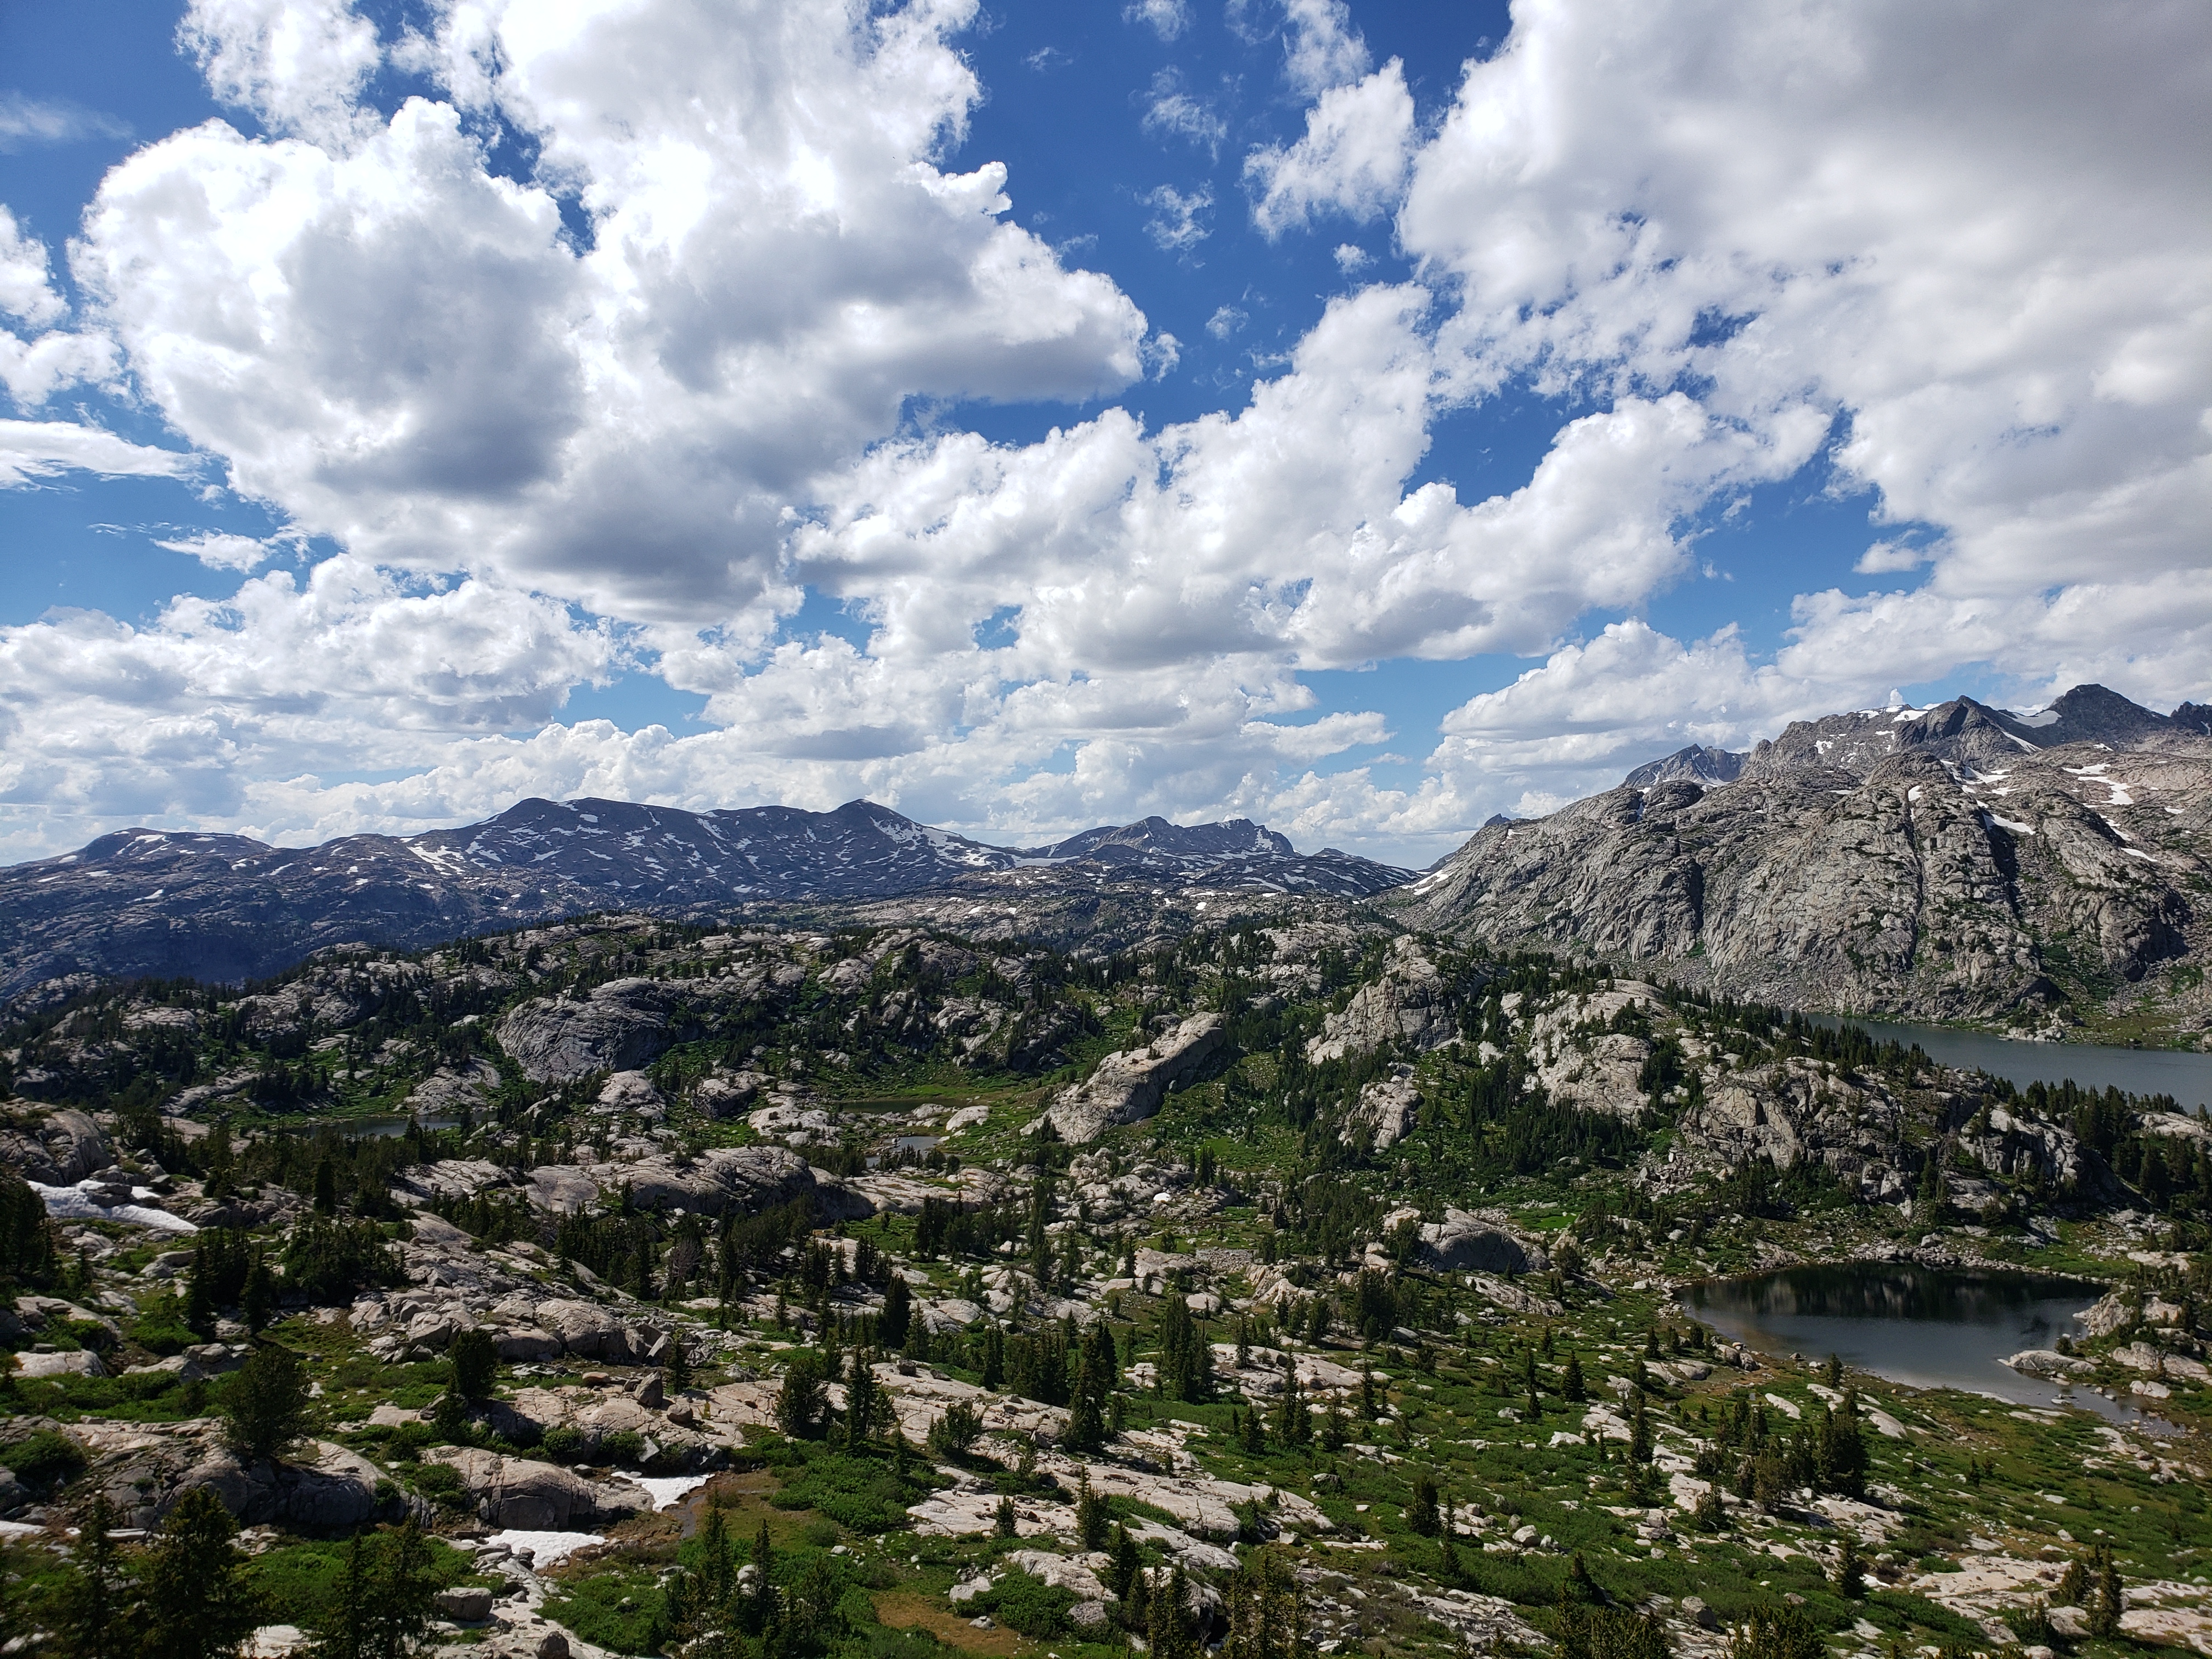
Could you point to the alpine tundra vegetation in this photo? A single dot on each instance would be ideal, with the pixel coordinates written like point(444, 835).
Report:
point(1282, 1279)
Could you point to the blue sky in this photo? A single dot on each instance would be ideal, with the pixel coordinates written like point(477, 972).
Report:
point(1364, 417)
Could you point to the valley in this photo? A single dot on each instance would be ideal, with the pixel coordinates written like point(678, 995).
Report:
point(1285, 1283)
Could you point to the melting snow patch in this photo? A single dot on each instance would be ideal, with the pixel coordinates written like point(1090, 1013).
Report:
point(669, 1490)
point(2013, 824)
point(546, 1548)
point(75, 1203)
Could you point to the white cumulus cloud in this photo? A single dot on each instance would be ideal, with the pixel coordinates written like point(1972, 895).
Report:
point(1352, 159)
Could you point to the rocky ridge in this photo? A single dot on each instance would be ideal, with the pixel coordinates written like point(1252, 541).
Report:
point(219, 906)
point(1947, 863)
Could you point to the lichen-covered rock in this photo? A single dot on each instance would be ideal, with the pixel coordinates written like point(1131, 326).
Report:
point(533, 1497)
point(620, 1026)
point(2046, 1362)
point(1467, 1241)
point(631, 1092)
point(743, 1179)
point(144, 1469)
point(1129, 1086)
point(450, 1091)
point(1387, 1110)
point(728, 1095)
point(1794, 1111)
point(63, 1150)
point(58, 1365)
point(1581, 1062)
point(586, 1329)
point(1406, 1007)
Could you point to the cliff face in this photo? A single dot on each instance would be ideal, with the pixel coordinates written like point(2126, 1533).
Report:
point(1937, 864)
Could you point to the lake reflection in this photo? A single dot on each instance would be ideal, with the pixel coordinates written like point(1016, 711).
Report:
point(1926, 1327)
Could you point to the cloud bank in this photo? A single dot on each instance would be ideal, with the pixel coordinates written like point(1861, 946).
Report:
point(622, 409)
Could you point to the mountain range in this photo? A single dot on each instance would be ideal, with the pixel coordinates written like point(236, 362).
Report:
point(1959, 861)
point(163, 903)
point(1955, 861)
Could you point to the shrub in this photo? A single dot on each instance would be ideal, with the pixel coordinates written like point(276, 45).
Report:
point(955, 1432)
point(563, 1443)
point(1782, 1632)
point(440, 1483)
point(42, 1460)
point(593, 1608)
point(1024, 1602)
point(860, 1493)
point(161, 1332)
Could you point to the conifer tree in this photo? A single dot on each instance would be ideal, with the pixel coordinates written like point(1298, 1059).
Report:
point(1849, 1578)
point(264, 1408)
point(1090, 1515)
point(475, 1365)
point(892, 1323)
point(340, 1633)
point(2110, 1600)
point(715, 1562)
point(198, 1602)
point(1639, 1430)
point(1086, 1423)
point(802, 1403)
point(1123, 1570)
point(1169, 1626)
point(92, 1610)
point(1421, 1513)
point(400, 1625)
point(863, 1399)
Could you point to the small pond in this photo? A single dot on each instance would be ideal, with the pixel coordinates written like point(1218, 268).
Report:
point(2186, 1077)
point(384, 1127)
point(901, 1145)
point(1926, 1327)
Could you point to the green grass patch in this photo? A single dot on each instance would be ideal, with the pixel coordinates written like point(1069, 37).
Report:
point(863, 1494)
point(619, 1606)
point(296, 1580)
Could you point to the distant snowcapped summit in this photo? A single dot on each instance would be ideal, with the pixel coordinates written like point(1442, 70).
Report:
point(162, 902)
point(1963, 731)
point(1151, 838)
point(1959, 861)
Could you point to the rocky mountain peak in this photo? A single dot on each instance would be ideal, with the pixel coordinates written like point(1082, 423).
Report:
point(1954, 861)
point(1695, 764)
point(1231, 838)
point(2089, 713)
point(150, 902)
